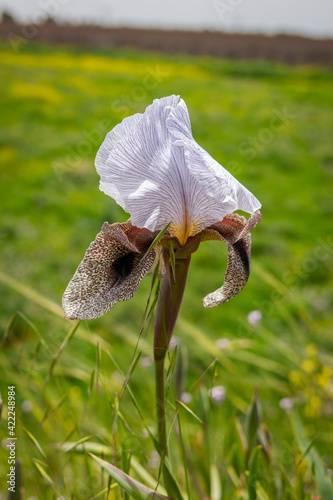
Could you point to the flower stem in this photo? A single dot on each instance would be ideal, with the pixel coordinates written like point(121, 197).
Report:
point(168, 305)
point(160, 404)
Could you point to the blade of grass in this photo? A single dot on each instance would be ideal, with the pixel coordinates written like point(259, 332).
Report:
point(172, 259)
point(50, 412)
point(54, 308)
point(323, 481)
point(45, 475)
point(36, 443)
point(171, 369)
point(262, 495)
point(145, 476)
point(233, 476)
point(31, 294)
point(164, 459)
point(183, 405)
point(252, 474)
point(183, 457)
point(156, 240)
point(63, 346)
point(104, 491)
point(79, 443)
point(79, 447)
point(129, 374)
point(215, 483)
point(136, 490)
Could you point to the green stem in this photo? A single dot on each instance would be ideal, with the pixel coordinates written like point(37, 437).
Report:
point(168, 305)
point(160, 404)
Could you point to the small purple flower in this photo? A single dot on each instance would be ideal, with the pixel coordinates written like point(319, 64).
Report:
point(222, 343)
point(286, 403)
point(186, 398)
point(217, 394)
point(254, 317)
point(146, 361)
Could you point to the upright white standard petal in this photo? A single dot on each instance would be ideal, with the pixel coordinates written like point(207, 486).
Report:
point(151, 165)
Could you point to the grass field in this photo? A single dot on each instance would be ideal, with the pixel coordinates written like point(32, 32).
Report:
point(270, 126)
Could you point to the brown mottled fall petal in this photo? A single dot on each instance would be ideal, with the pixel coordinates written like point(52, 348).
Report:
point(234, 230)
point(110, 271)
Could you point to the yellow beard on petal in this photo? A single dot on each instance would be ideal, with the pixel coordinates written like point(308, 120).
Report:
point(184, 230)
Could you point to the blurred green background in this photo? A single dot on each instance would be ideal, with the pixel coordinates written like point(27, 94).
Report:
point(270, 126)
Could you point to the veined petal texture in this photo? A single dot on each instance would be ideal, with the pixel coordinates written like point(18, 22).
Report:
point(151, 165)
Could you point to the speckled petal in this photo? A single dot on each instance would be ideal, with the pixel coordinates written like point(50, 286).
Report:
point(234, 230)
point(110, 271)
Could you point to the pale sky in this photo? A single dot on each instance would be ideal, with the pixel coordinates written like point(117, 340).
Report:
point(308, 17)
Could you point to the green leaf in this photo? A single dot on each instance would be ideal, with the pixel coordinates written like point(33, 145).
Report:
point(181, 369)
point(184, 457)
point(183, 405)
point(172, 261)
point(67, 447)
point(129, 374)
point(31, 294)
point(242, 437)
point(252, 422)
point(170, 480)
point(157, 239)
point(137, 406)
point(233, 476)
point(83, 446)
point(324, 483)
point(19, 330)
point(47, 479)
point(63, 346)
point(215, 483)
point(91, 383)
point(262, 495)
point(49, 412)
point(36, 443)
point(136, 490)
point(145, 476)
point(171, 367)
point(149, 309)
point(252, 476)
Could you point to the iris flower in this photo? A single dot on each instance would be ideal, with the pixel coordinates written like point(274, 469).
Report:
point(155, 170)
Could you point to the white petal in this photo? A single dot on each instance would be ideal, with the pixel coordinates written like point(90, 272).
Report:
point(118, 133)
point(151, 165)
point(143, 167)
point(179, 123)
point(224, 193)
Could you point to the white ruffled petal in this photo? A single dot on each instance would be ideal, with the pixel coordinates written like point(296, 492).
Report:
point(151, 165)
point(228, 193)
point(141, 167)
point(178, 122)
point(117, 134)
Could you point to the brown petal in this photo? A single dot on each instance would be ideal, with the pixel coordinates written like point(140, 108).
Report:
point(110, 271)
point(234, 230)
